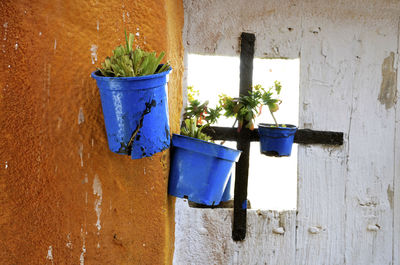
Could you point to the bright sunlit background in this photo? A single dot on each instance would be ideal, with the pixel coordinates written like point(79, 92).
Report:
point(272, 181)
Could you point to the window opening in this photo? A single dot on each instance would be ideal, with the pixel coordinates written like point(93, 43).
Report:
point(272, 181)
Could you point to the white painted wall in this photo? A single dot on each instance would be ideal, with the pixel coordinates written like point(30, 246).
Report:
point(348, 197)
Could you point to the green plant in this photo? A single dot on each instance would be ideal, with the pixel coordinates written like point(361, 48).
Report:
point(270, 98)
point(126, 62)
point(245, 108)
point(191, 129)
point(200, 114)
point(200, 110)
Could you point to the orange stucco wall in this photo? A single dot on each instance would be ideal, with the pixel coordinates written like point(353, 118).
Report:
point(64, 197)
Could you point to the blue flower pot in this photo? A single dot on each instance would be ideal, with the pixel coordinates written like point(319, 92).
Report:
point(135, 111)
point(276, 141)
point(200, 170)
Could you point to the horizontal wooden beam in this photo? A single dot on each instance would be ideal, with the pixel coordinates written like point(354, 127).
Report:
point(302, 136)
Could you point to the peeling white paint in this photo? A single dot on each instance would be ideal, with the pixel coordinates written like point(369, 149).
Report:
point(93, 53)
point(97, 190)
point(80, 151)
point(5, 25)
point(373, 227)
point(83, 252)
point(314, 229)
point(16, 46)
point(50, 254)
point(59, 122)
point(236, 257)
point(202, 230)
point(81, 117)
point(86, 179)
point(40, 33)
point(69, 242)
point(279, 230)
point(98, 25)
point(6, 165)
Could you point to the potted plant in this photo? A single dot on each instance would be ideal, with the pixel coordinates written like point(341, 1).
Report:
point(132, 85)
point(200, 169)
point(245, 108)
point(275, 139)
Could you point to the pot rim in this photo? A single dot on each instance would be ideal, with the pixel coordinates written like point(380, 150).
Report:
point(215, 150)
point(273, 126)
point(97, 76)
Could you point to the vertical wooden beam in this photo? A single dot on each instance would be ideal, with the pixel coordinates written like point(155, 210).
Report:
point(243, 143)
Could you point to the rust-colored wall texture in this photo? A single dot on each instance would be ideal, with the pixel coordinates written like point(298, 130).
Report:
point(64, 197)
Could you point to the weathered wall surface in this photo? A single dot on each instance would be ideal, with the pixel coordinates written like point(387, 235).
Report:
point(64, 197)
point(348, 197)
point(203, 236)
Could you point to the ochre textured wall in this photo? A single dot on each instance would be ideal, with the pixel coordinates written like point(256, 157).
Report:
point(64, 197)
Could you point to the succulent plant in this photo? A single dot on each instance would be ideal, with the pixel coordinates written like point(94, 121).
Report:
point(198, 115)
point(126, 62)
point(248, 107)
point(200, 110)
point(244, 108)
point(191, 129)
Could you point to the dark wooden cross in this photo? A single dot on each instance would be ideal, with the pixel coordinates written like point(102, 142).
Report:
point(245, 136)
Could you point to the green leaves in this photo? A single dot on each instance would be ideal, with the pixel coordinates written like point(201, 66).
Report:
point(198, 115)
point(213, 115)
point(191, 129)
point(200, 110)
point(247, 107)
point(272, 100)
point(126, 62)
